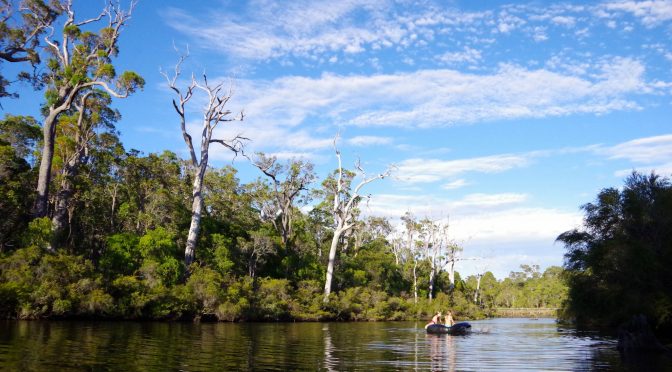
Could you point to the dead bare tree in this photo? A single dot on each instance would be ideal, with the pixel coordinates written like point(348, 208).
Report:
point(343, 210)
point(214, 113)
point(412, 227)
point(298, 175)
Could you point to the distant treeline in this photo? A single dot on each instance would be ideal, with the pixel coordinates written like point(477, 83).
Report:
point(128, 216)
point(89, 228)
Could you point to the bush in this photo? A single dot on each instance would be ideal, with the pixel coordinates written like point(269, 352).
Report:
point(273, 299)
point(204, 288)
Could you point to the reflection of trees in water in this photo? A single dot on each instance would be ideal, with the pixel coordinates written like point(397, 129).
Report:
point(330, 363)
point(442, 352)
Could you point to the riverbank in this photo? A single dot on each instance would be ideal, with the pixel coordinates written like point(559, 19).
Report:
point(502, 312)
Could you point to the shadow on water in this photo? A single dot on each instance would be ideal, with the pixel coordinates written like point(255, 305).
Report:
point(496, 344)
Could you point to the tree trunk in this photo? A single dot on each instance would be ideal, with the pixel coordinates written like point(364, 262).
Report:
point(415, 281)
point(330, 265)
point(60, 221)
point(478, 287)
point(44, 176)
point(114, 204)
point(451, 274)
point(196, 210)
point(431, 283)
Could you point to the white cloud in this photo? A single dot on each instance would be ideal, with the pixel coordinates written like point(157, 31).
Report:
point(395, 205)
point(642, 150)
point(516, 224)
point(369, 140)
point(564, 21)
point(431, 170)
point(429, 98)
point(651, 12)
point(484, 220)
point(452, 185)
point(664, 169)
point(468, 55)
point(539, 34)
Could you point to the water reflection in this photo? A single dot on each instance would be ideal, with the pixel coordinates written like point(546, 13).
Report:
point(442, 352)
point(329, 360)
point(133, 346)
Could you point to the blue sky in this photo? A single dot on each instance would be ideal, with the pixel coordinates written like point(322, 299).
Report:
point(505, 116)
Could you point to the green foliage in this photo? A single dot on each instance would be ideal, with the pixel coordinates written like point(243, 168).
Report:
point(106, 71)
point(72, 31)
point(18, 139)
point(273, 299)
point(130, 81)
point(205, 288)
point(38, 233)
point(158, 244)
point(618, 266)
point(121, 255)
point(236, 304)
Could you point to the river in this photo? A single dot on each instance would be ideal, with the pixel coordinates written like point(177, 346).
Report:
point(494, 345)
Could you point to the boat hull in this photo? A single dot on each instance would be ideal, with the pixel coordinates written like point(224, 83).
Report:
point(457, 329)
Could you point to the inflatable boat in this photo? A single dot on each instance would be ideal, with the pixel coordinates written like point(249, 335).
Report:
point(457, 329)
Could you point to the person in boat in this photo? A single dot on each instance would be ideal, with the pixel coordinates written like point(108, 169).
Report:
point(448, 320)
point(436, 319)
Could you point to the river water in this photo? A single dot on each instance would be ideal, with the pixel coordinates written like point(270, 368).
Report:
point(494, 345)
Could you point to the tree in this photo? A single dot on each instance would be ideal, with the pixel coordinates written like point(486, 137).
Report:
point(412, 227)
point(255, 250)
point(77, 133)
point(618, 264)
point(214, 113)
point(18, 139)
point(79, 62)
point(21, 27)
point(453, 251)
point(298, 175)
point(438, 250)
point(345, 202)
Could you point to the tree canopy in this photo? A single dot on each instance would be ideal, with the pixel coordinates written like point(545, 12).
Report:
point(618, 264)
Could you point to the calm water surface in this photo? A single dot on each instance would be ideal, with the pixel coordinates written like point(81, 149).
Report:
point(495, 345)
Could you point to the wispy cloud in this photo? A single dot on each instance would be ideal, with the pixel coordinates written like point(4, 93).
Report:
point(468, 55)
point(369, 141)
point(395, 205)
point(431, 98)
point(646, 150)
point(452, 185)
point(271, 30)
point(431, 170)
point(651, 12)
point(648, 154)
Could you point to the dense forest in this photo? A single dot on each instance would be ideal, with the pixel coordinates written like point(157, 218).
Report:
point(618, 265)
point(92, 229)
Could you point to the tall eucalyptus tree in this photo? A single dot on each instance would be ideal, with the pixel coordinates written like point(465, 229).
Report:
point(214, 113)
point(80, 60)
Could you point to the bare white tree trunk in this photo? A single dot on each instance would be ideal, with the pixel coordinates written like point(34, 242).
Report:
point(478, 287)
point(196, 210)
point(432, 275)
point(451, 273)
point(214, 113)
point(344, 215)
point(331, 263)
point(415, 281)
